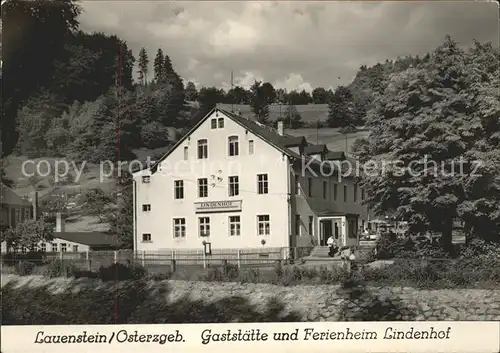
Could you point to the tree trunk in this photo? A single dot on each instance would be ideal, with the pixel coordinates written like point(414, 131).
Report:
point(447, 236)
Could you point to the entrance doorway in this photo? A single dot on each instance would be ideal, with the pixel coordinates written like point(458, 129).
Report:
point(326, 231)
point(331, 227)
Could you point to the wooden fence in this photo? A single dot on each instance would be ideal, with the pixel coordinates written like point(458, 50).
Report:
point(92, 260)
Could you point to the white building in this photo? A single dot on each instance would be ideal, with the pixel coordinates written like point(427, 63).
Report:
point(236, 184)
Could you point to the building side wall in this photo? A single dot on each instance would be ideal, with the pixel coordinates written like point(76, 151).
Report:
point(331, 201)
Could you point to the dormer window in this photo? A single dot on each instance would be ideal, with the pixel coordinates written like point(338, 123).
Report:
point(146, 179)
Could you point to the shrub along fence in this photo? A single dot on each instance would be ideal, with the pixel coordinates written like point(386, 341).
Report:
point(167, 260)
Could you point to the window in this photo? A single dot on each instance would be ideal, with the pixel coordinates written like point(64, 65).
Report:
point(146, 237)
point(262, 184)
point(234, 225)
point(362, 194)
point(213, 123)
point(309, 186)
point(297, 224)
point(355, 193)
point(54, 247)
point(204, 226)
point(234, 187)
point(203, 187)
point(186, 153)
point(335, 189)
point(64, 247)
point(311, 225)
point(26, 213)
point(179, 189)
point(146, 179)
point(297, 185)
point(221, 123)
point(325, 189)
point(18, 215)
point(202, 149)
point(146, 208)
point(179, 227)
point(345, 193)
point(233, 145)
point(75, 248)
point(24, 250)
point(43, 247)
point(250, 147)
point(263, 225)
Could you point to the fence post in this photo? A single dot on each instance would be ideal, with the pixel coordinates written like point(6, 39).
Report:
point(143, 258)
point(173, 266)
point(204, 260)
point(61, 255)
point(115, 255)
point(238, 258)
point(295, 253)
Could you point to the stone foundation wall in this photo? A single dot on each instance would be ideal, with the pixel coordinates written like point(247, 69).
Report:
point(333, 303)
point(326, 302)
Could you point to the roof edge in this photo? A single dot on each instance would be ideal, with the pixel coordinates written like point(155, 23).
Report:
point(154, 167)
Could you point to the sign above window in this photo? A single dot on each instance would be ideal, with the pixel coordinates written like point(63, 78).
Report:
point(217, 206)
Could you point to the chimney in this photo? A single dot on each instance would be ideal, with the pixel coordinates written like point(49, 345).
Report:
point(280, 127)
point(60, 226)
point(34, 202)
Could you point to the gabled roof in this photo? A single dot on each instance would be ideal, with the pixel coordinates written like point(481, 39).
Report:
point(9, 197)
point(88, 238)
point(282, 142)
point(270, 135)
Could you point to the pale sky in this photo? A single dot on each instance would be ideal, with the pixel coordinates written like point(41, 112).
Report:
point(293, 45)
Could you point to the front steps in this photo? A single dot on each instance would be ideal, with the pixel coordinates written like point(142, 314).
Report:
point(320, 251)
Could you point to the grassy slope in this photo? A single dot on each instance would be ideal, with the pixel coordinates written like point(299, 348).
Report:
point(90, 179)
point(331, 137)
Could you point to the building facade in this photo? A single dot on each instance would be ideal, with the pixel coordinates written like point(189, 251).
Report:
point(235, 184)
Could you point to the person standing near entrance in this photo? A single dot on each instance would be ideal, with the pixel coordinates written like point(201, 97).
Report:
point(332, 244)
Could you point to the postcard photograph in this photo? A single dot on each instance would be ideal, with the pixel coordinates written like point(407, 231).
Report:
point(187, 162)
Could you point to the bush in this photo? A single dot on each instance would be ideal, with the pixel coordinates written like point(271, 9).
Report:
point(297, 275)
point(214, 274)
point(480, 249)
point(25, 268)
point(250, 275)
point(59, 268)
point(77, 273)
point(121, 272)
point(230, 271)
point(388, 247)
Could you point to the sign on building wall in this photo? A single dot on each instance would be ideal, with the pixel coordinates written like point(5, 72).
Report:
point(217, 206)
